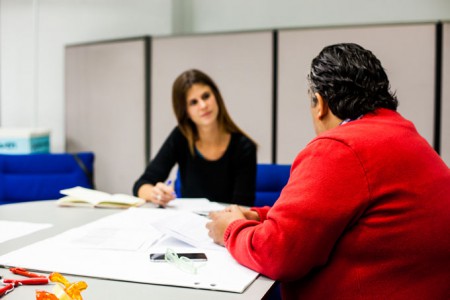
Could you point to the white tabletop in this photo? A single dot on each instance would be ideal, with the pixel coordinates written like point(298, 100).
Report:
point(67, 218)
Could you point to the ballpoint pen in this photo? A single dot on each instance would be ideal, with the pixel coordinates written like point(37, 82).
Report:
point(169, 182)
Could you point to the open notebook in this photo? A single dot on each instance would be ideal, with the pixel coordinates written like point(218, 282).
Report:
point(80, 196)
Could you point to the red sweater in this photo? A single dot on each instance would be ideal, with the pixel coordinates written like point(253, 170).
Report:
point(365, 215)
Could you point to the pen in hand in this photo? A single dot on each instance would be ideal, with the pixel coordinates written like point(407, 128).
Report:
point(166, 194)
point(169, 182)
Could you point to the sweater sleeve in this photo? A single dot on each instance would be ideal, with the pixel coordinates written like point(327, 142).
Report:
point(159, 168)
point(326, 192)
point(262, 212)
point(244, 164)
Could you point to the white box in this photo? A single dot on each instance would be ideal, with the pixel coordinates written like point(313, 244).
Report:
point(24, 140)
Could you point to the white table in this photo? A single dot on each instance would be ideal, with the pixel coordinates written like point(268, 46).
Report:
point(67, 218)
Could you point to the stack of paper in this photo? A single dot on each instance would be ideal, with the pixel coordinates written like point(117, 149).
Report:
point(118, 247)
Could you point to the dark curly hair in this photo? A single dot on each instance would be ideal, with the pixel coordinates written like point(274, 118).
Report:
point(351, 80)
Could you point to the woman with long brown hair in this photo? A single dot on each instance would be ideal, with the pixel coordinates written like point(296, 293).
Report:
point(216, 159)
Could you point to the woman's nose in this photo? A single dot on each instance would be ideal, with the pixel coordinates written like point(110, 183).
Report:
point(203, 104)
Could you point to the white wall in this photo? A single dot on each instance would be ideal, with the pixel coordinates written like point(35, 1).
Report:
point(232, 15)
point(33, 34)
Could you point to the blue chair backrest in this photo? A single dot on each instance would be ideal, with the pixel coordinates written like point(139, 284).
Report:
point(28, 177)
point(270, 180)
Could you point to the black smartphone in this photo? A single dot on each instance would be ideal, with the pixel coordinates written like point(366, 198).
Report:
point(159, 257)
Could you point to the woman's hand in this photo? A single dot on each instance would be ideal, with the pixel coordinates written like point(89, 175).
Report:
point(159, 194)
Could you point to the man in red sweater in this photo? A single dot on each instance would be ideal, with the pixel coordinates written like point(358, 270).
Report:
point(366, 211)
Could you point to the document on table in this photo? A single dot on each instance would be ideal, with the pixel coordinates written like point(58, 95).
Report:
point(13, 229)
point(201, 206)
point(189, 228)
point(117, 247)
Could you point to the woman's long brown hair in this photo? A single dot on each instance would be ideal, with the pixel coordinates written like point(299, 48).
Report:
point(179, 91)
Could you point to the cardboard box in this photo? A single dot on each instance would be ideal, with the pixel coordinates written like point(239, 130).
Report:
point(24, 140)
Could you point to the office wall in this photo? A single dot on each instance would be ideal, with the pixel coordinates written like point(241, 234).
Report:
point(33, 35)
point(445, 117)
point(407, 53)
point(108, 111)
point(106, 103)
point(232, 15)
point(241, 66)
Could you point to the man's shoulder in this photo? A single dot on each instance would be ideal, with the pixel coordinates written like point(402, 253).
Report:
point(373, 125)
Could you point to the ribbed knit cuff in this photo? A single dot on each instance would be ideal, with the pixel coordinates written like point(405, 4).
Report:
point(230, 228)
point(262, 212)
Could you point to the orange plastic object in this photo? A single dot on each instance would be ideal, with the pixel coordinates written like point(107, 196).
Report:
point(44, 295)
point(73, 290)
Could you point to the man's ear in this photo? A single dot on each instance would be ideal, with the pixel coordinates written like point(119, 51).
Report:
point(322, 108)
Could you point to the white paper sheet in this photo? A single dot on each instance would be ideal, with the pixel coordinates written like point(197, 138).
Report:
point(201, 206)
point(189, 228)
point(12, 229)
point(77, 252)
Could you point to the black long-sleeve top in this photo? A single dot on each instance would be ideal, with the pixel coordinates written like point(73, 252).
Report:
point(229, 179)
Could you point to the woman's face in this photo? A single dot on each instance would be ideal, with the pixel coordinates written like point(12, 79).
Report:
point(202, 106)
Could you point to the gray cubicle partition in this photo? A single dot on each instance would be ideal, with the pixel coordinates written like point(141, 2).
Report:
point(407, 52)
point(445, 116)
point(108, 89)
point(106, 105)
point(241, 66)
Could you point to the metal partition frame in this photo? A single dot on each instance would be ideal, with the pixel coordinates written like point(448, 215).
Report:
point(445, 105)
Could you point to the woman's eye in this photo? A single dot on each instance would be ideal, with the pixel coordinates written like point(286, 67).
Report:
point(206, 96)
point(193, 102)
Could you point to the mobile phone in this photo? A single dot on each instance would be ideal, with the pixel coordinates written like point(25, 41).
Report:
point(160, 257)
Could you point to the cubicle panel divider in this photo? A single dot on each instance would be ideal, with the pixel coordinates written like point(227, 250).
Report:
point(241, 66)
point(106, 106)
point(445, 104)
point(407, 52)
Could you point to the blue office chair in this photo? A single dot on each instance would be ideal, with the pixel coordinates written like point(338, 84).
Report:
point(28, 177)
point(270, 180)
